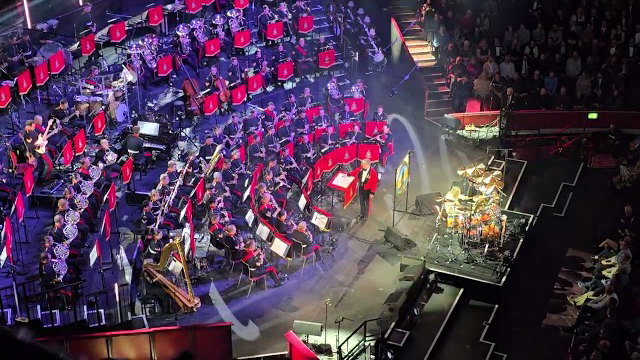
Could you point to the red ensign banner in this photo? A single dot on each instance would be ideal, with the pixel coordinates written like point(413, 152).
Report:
point(67, 153)
point(164, 65)
point(326, 59)
point(118, 32)
point(155, 15)
point(241, 39)
point(42, 74)
point(5, 96)
point(88, 44)
point(127, 171)
point(275, 30)
point(210, 104)
point(239, 95)
point(285, 71)
point(24, 82)
point(212, 47)
point(305, 24)
point(254, 84)
point(241, 4)
point(99, 123)
point(56, 63)
point(80, 142)
point(193, 6)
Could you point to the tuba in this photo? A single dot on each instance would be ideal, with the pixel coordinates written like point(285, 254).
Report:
point(70, 231)
point(214, 160)
point(198, 27)
point(183, 37)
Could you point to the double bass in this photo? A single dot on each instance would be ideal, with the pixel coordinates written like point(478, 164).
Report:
point(225, 95)
point(191, 91)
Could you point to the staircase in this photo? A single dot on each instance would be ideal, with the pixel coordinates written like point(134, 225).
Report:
point(434, 75)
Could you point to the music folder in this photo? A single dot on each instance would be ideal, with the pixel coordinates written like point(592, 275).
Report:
point(302, 203)
point(249, 217)
point(246, 194)
point(319, 220)
point(279, 246)
point(263, 231)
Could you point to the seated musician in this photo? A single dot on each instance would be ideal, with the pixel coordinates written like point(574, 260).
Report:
point(380, 115)
point(271, 142)
point(283, 225)
point(86, 213)
point(216, 231)
point(290, 105)
point(306, 99)
point(71, 260)
point(280, 55)
point(218, 138)
point(234, 242)
point(303, 241)
point(30, 136)
point(163, 188)
point(386, 139)
point(256, 61)
point(94, 202)
point(286, 132)
point(268, 209)
point(212, 78)
point(304, 152)
point(48, 277)
point(269, 115)
point(62, 113)
point(82, 224)
point(252, 123)
point(328, 140)
point(256, 152)
point(233, 132)
point(11, 54)
point(302, 57)
point(172, 173)
point(291, 167)
point(263, 21)
point(91, 82)
point(155, 200)
point(134, 145)
point(236, 163)
point(255, 260)
point(354, 136)
point(266, 72)
point(153, 245)
point(346, 115)
point(277, 187)
point(207, 150)
point(322, 120)
point(221, 190)
point(147, 218)
point(301, 123)
point(108, 158)
point(235, 71)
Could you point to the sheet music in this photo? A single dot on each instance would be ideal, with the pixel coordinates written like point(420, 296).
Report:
point(306, 177)
point(92, 256)
point(342, 180)
point(279, 247)
point(249, 217)
point(246, 193)
point(302, 203)
point(263, 231)
point(319, 220)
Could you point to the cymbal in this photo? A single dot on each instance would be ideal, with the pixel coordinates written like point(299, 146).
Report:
point(492, 176)
point(462, 171)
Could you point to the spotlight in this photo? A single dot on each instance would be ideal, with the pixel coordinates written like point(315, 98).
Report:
point(27, 15)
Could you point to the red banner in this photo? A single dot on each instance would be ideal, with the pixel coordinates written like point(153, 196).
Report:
point(5, 96)
point(24, 82)
point(200, 191)
point(19, 207)
point(118, 32)
point(193, 6)
point(275, 30)
point(164, 65)
point(305, 24)
point(356, 105)
point(212, 47)
point(241, 39)
point(210, 104)
point(56, 63)
point(99, 123)
point(373, 128)
point(112, 196)
point(8, 238)
point(127, 171)
point(343, 129)
point(347, 154)
point(255, 84)
point(207, 2)
point(240, 4)
point(312, 112)
point(155, 15)
point(106, 225)
point(67, 153)
point(80, 142)
point(369, 151)
point(42, 74)
point(239, 95)
point(28, 181)
point(326, 59)
point(285, 70)
point(88, 44)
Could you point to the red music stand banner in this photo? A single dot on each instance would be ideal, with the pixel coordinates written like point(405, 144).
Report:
point(24, 82)
point(320, 167)
point(80, 142)
point(212, 47)
point(241, 4)
point(243, 153)
point(239, 95)
point(319, 132)
point(313, 112)
point(275, 30)
point(374, 128)
point(285, 71)
point(118, 32)
point(155, 15)
point(255, 84)
point(67, 153)
point(88, 44)
point(356, 105)
point(210, 104)
point(99, 123)
point(127, 170)
point(200, 190)
point(369, 151)
point(349, 190)
point(164, 65)
point(28, 181)
point(106, 225)
point(193, 6)
point(56, 63)
point(19, 206)
point(326, 59)
point(5, 96)
point(348, 153)
point(207, 2)
point(305, 24)
point(42, 73)
point(112, 197)
point(241, 39)
point(343, 129)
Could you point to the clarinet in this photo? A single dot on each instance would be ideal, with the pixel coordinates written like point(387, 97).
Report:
point(169, 199)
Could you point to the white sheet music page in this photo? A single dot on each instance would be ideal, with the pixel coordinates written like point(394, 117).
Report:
point(319, 220)
point(342, 180)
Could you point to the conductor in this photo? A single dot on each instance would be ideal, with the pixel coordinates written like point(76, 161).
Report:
point(367, 185)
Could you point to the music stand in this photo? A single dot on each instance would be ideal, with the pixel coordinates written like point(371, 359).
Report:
point(249, 217)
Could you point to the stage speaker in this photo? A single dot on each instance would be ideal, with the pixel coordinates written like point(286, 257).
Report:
point(426, 204)
point(338, 224)
point(391, 308)
point(307, 328)
point(395, 238)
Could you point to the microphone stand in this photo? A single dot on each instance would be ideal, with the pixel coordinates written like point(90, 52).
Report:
point(325, 349)
point(339, 321)
point(394, 90)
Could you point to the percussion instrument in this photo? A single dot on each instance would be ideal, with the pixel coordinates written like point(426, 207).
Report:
point(95, 103)
point(118, 111)
point(81, 104)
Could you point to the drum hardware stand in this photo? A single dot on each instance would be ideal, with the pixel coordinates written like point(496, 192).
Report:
point(394, 90)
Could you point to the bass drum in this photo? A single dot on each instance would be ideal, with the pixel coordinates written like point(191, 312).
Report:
point(49, 49)
point(118, 111)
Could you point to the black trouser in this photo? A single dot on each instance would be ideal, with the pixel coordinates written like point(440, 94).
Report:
point(364, 201)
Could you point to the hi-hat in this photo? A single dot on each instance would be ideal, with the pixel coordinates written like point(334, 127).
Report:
point(473, 170)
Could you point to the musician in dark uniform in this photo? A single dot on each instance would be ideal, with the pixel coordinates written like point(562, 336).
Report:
point(346, 116)
point(62, 113)
point(207, 149)
point(282, 225)
point(302, 57)
point(294, 172)
point(217, 138)
point(235, 71)
point(290, 105)
point(279, 55)
point(386, 139)
point(183, 48)
point(321, 45)
point(322, 120)
point(108, 158)
point(230, 178)
point(267, 210)
point(251, 124)
point(379, 115)
point(367, 185)
point(355, 136)
point(255, 152)
point(134, 145)
point(233, 130)
point(306, 99)
point(254, 258)
point(271, 142)
point(147, 218)
point(286, 132)
point(10, 51)
point(269, 115)
point(299, 9)
point(30, 136)
point(26, 47)
point(212, 78)
point(263, 21)
point(303, 241)
point(301, 123)
point(233, 241)
point(304, 152)
point(328, 140)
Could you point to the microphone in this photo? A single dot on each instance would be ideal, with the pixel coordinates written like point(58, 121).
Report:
point(393, 92)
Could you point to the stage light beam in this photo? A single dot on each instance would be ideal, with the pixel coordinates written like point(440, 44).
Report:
point(27, 15)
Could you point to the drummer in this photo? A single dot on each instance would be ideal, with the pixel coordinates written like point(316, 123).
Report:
point(92, 81)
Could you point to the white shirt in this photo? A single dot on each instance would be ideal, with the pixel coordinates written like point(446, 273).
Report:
point(363, 174)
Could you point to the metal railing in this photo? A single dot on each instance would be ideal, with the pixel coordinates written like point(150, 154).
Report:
point(360, 340)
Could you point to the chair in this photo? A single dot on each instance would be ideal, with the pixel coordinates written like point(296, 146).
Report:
point(231, 261)
point(141, 166)
point(303, 256)
point(253, 279)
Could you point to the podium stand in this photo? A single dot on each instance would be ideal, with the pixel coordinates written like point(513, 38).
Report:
point(345, 183)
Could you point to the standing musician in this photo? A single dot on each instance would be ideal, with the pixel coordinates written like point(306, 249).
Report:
point(328, 140)
point(85, 22)
point(380, 115)
point(134, 145)
point(108, 158)
point(289, 106)
point(285, 16)
point(386, 139)
point(367, 186)
point(306, 99)
point(255, 260)
point(263, 20)
point(322, 120)
point(26, 49)
point(30, 136)
point(235, 71)
point(183, 51)
point(303, 241)
point(302, 57)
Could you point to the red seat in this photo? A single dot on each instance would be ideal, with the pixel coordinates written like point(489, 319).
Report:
point(473, 105)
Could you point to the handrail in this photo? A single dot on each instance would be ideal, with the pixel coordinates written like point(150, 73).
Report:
point(359, 345)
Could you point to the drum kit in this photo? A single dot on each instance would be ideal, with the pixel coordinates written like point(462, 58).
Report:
point(474, 219)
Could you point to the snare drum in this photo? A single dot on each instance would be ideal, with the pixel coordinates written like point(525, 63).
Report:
point(81, 104)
